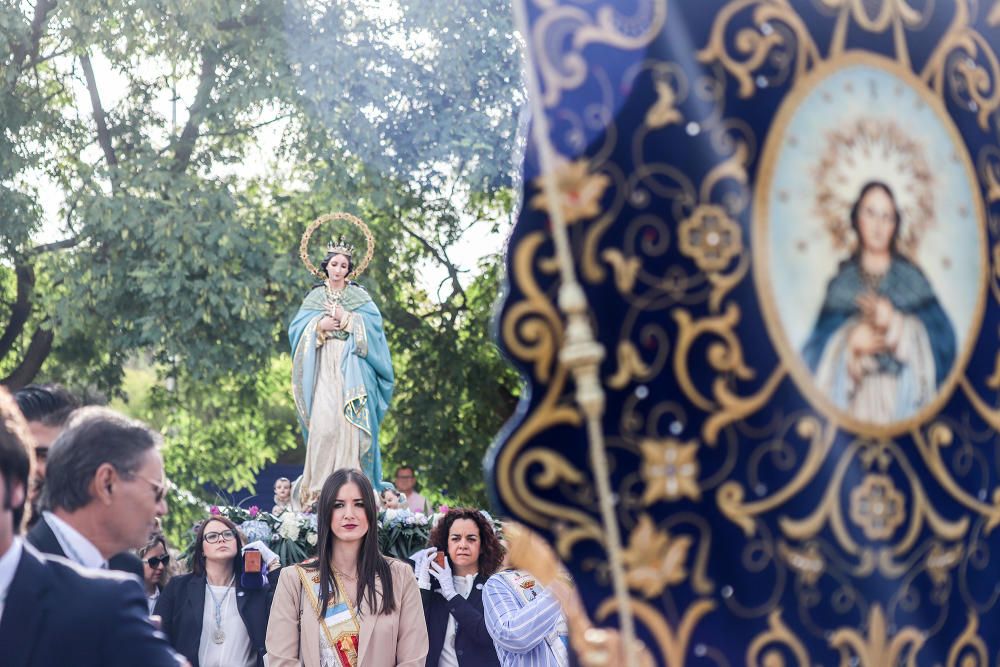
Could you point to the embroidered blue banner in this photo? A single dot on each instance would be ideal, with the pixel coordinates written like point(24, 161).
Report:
point(784, 217)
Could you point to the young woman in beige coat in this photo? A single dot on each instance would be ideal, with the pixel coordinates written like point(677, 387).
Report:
point(351, 606)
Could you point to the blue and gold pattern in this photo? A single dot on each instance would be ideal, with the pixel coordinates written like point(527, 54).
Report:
point(688, 188)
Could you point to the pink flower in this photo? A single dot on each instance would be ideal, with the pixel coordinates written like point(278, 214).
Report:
point(214, 510)
point(443, 509)
point(253, 511)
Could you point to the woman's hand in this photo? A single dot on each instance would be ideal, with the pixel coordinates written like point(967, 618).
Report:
point(327, 323)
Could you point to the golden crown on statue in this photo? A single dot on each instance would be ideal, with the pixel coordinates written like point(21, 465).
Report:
point(340, 246)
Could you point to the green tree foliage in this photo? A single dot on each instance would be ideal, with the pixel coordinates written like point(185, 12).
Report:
point(189, 143)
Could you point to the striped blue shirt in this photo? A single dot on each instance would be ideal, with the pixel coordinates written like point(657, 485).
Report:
point(520, 628)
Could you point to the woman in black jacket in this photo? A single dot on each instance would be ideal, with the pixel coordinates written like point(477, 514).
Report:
point(453, 605)
point(208, 616)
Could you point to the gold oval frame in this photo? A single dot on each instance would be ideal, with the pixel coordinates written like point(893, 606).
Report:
point(329, 217)
point(801, 376)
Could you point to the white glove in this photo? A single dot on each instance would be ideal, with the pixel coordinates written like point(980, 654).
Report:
point(268, 556)
point(421, 562)
point(443, 575)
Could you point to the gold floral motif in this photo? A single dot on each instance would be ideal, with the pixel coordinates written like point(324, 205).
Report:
point(777, 633)
point(663, 111)
point(829, 510)
point(654, 559)
point(757, 43)
point(940, 436)
point(941, 561)
point(559, 61)
point(875, 648)
point(979, 83)
point(878, 507)
point(731, 494)
point(673, 643)
point(630, 365)
point(710, 237)
point(579, 191)
point(886, 11)
point(808, 563)
point(969, 640)
point(626, 268)
point(669, 469)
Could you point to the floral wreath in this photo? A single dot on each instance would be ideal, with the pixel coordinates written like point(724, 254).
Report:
point(354, 220)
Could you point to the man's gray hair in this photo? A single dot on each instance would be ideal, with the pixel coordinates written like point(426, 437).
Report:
point(93, 436)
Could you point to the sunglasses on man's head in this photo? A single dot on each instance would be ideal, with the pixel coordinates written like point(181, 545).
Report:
point(156, 561)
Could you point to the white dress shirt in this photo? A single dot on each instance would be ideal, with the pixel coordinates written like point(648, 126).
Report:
point(463, 586)
point(77, 548)
point(8, 566)
point(151, 600)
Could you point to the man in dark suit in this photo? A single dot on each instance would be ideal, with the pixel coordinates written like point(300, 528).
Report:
point(104, 491)
point(51, 611)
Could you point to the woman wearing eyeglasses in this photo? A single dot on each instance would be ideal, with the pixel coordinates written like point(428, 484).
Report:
point(351, 606)
point(155, 568)
point(208, 616)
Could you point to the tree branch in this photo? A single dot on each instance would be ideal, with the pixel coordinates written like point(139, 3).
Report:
point(248, 129)
point(103, 134)
point(184, 146)
point(29, 48)
point(21, 308)
point(442, 259)
point(71, 242)
point(38, 351)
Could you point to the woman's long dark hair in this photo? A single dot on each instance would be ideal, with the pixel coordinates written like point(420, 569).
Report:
point(371, 563)
point(490, 549)
point(198, 558)
point(856, 213)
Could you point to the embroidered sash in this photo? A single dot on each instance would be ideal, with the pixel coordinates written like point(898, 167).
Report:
point(340, 624)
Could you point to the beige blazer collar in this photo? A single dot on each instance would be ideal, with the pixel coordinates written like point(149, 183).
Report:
point(368, 621)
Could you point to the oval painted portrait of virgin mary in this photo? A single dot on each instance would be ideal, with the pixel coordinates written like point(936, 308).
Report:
point(870, 245)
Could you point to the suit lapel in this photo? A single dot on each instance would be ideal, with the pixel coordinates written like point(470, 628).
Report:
point(28, 601)
point(43, 539)
point(196, 598)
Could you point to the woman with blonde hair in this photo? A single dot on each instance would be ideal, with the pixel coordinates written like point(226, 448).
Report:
point(155, 568)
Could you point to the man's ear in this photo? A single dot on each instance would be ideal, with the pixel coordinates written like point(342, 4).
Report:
point(105, 479)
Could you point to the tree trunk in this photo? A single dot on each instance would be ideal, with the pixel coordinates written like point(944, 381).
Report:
point(21, 308)
point(38, 352)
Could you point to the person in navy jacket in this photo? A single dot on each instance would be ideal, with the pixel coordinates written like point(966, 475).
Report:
point(211, 616)
point(452, 592)
point(53, 612)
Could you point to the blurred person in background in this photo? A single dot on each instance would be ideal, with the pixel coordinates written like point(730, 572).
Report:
point(104, 491)
point(406, 482)
point(155, 568)
point(53, 612)
point(45, 407)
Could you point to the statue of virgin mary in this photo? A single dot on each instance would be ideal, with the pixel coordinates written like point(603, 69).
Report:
point(342, 375)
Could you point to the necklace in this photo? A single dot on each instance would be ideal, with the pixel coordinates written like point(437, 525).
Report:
point(345, 575)
point(218, 636)
point(341, 591)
